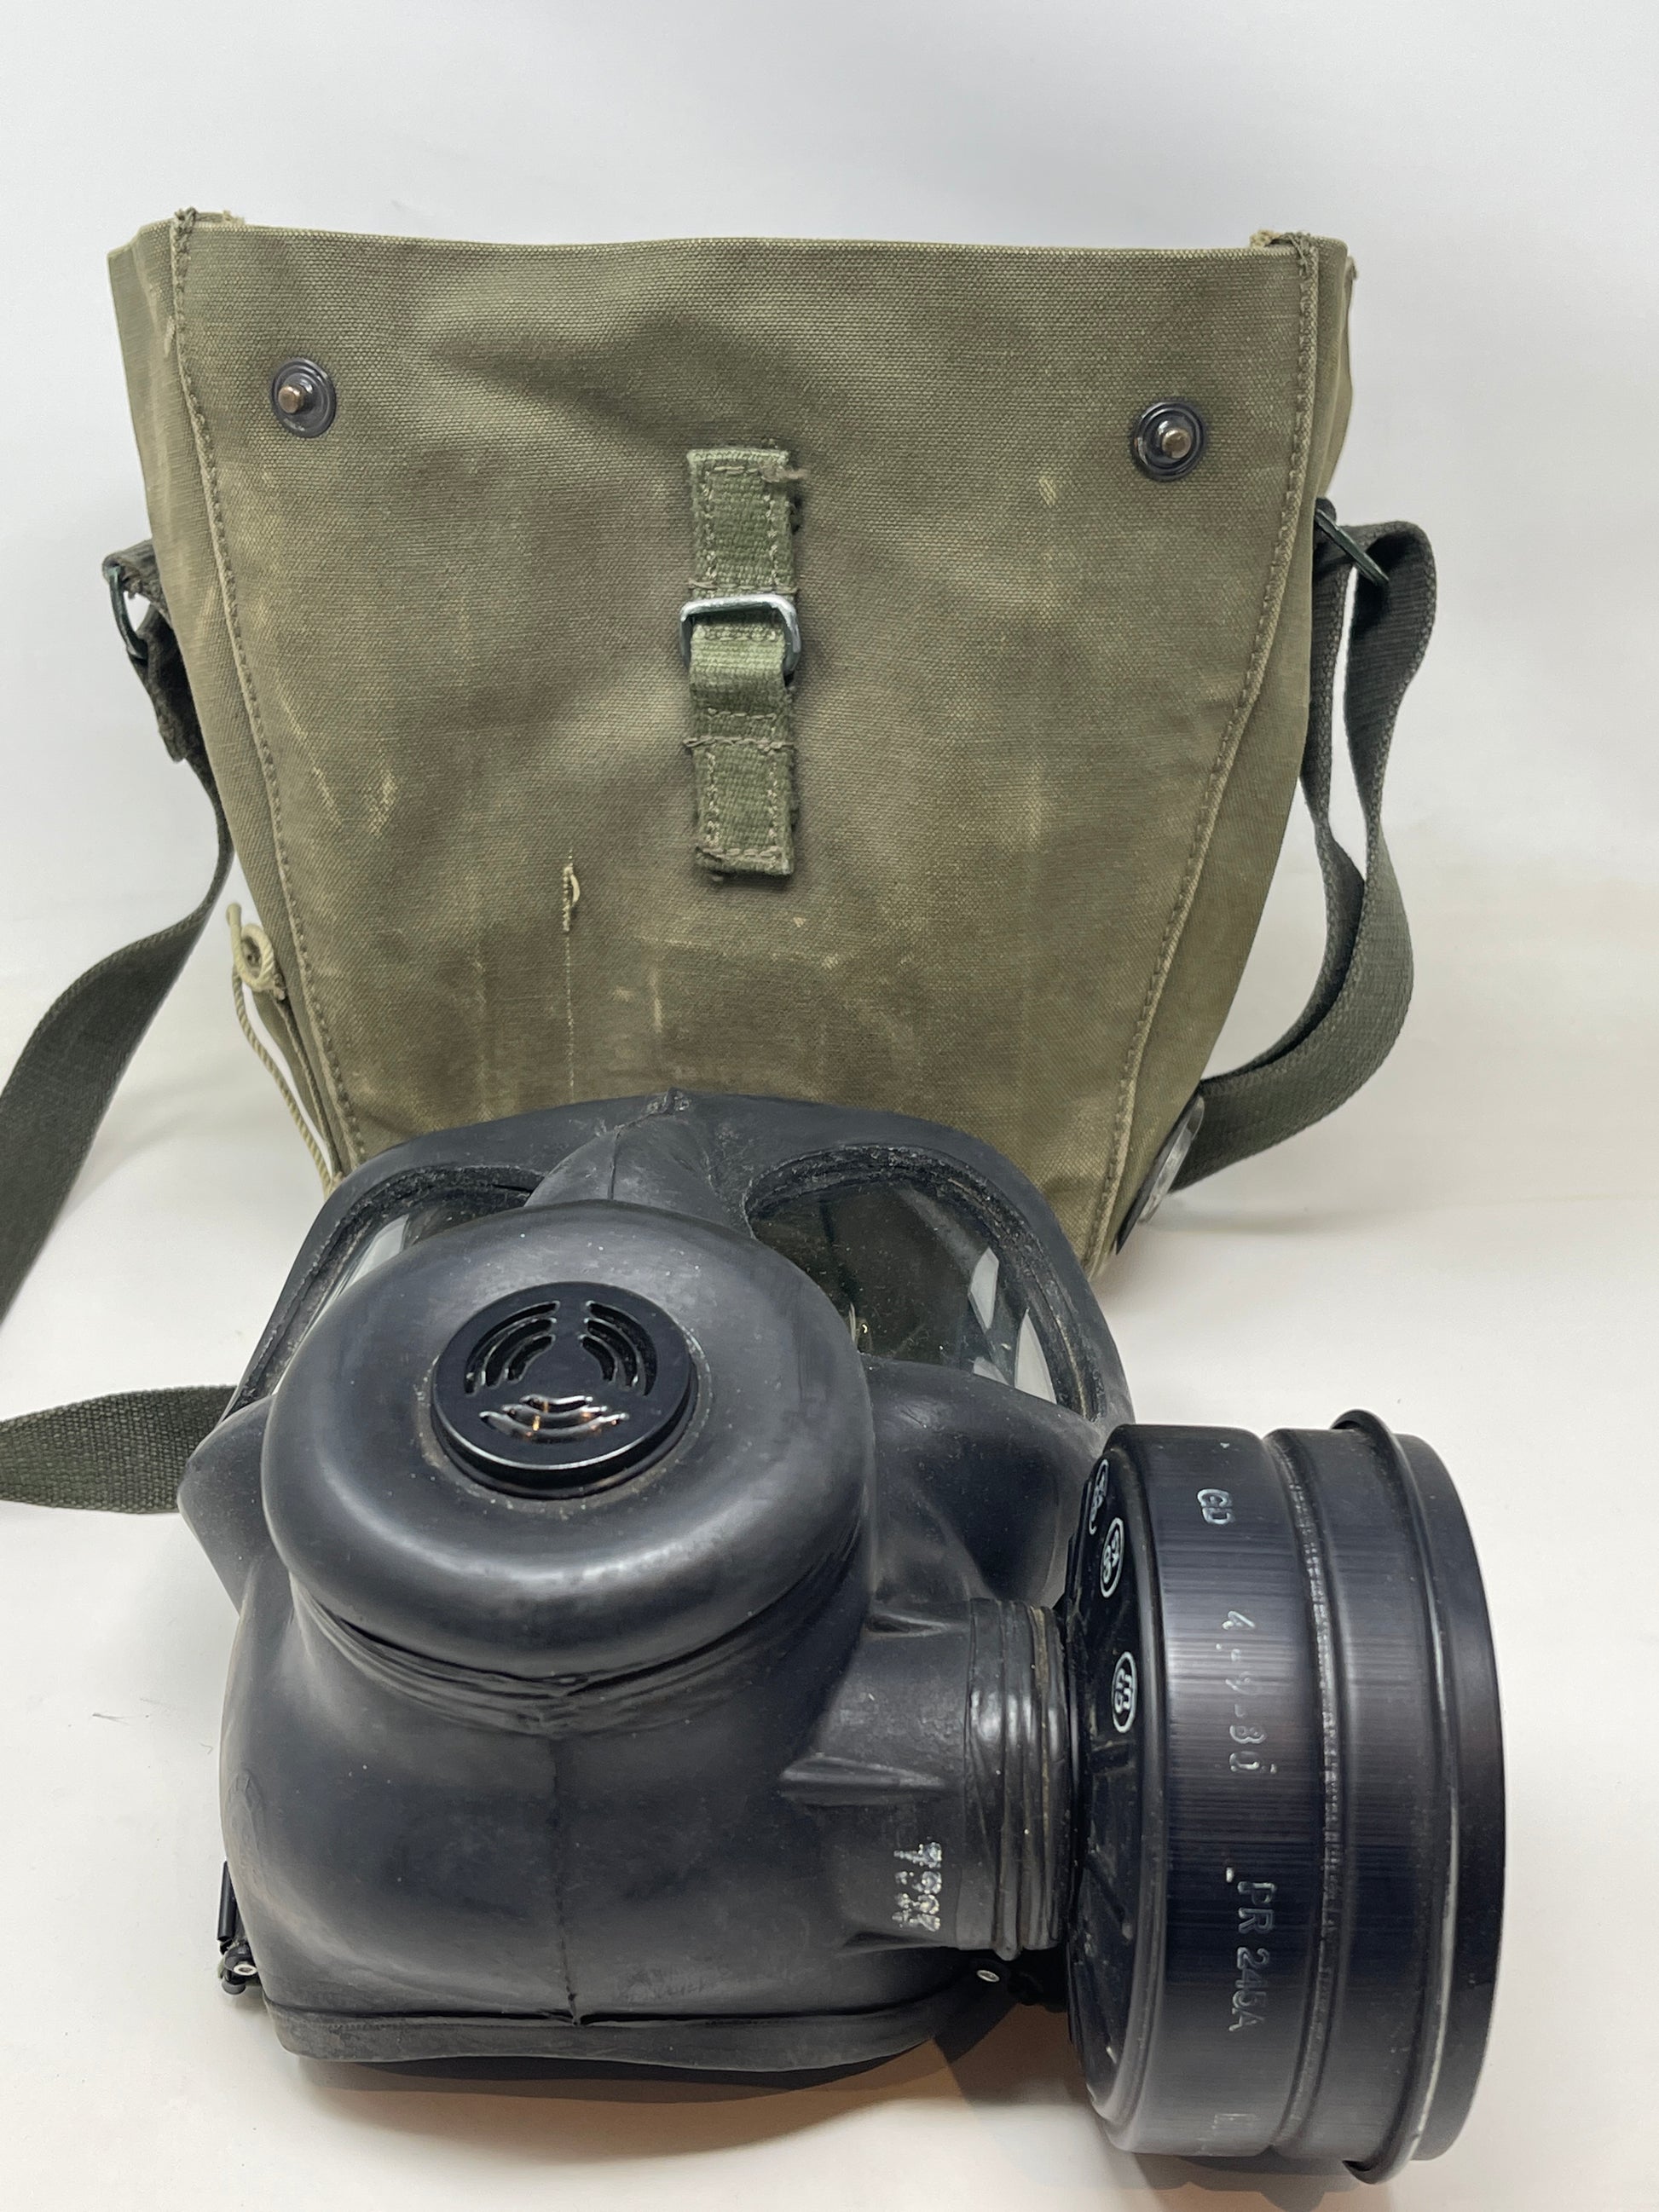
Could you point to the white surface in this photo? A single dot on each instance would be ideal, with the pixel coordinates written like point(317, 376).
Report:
point(1468, 1248)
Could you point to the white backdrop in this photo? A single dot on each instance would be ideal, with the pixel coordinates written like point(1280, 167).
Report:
point(1468, 1247)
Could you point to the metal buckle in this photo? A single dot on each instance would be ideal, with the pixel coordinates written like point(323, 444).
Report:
point(137, 652)
point(744, 607)
point(1350, 548)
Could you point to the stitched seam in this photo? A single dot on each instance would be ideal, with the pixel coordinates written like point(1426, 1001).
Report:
point(557, 1887)
point(182, 228)
point(1215, 783)
point(770, 499)
point(775, 792)
point(567, 914)
point(775, 782)
point(711, 844)
point(702, 747)
point(711, 793)
point(717, 717)
point(736, 738)
point(705, 551)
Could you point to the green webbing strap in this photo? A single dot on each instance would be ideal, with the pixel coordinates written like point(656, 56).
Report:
point(119, 1454)
point(1344, 1033)
point(740, 660)
point(124, 1454)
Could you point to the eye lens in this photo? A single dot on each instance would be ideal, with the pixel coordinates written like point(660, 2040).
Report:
point(916, 1274)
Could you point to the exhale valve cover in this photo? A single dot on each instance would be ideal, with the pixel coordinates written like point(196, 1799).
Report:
point(704, 1604)
point(562, 1387)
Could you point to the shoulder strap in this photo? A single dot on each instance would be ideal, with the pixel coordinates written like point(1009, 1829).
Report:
point(121, 1455)
point(124, 1454)
point(1344, 1033)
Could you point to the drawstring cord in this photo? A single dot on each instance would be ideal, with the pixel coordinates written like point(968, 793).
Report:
point(253, 965)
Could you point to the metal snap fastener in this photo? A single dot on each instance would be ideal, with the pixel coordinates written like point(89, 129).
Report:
point(1168, 439)
point(303, 398)
point(1160, 1178)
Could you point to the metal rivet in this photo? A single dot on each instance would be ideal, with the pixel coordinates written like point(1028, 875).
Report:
point(1168, 439)
point(1160, 1177)
point(303, 398)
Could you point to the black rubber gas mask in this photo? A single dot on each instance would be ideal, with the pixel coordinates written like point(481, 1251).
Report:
point(704, 1604)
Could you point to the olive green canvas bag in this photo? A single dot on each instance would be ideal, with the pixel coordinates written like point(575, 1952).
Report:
point(870, 673)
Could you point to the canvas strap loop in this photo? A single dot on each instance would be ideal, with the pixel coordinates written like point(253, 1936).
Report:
point(740, 657)
point(153, 649)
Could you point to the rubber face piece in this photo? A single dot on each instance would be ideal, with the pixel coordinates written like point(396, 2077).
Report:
point(759, 1491)
point(1285, 1927)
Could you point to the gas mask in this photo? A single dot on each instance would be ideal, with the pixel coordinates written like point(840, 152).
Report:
point(704, 1603)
